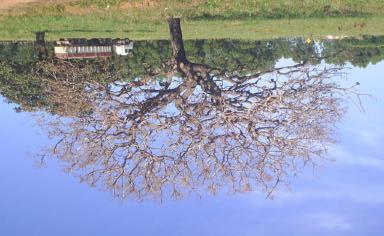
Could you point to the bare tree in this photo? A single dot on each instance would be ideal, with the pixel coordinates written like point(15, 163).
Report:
point(200, 128)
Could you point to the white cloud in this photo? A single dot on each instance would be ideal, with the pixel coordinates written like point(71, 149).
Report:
point(330, 221)
point(342, 156)
point(335, 191)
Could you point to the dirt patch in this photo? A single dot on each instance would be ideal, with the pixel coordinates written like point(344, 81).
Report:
point(14, 4)
point(78, 11)
point(73, 9)
point(138, 4)
point(7, 4)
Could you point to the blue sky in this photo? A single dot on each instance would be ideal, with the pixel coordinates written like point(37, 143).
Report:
point(345, 196)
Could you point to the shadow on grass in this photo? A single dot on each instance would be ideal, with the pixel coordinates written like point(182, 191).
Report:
point(77, 30)
point(95, 31)
point(276, 14)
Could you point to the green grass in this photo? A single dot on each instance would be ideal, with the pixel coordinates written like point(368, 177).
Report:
point(114, 26)
point(216, 9)
point(240, 19)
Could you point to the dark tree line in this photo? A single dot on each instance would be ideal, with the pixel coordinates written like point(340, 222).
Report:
point(24, 78)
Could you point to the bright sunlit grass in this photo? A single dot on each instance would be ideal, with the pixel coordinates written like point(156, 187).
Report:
point(117, 26)
point(241, 19)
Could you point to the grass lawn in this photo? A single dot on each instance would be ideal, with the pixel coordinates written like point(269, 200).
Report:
point(94, 26)
point(241, 19)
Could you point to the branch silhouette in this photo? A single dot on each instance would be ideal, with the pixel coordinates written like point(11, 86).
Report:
point(199, 128)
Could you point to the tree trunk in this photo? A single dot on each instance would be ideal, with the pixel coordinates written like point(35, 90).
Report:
point(40, 47)
point(177, 40)
point(197, 72)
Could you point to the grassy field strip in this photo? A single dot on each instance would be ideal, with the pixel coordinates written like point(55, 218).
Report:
point(23, 28)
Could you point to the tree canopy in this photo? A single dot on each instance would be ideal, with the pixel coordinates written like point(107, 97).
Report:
point(180, 117)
